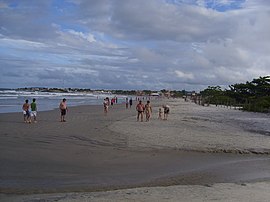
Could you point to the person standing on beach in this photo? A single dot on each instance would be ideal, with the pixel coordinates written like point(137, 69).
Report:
point(166, 111)
point(148, 110)
point(160, 113)
point(26, 112)
point(130, 102)
point(63, 109)
point(112, 101)
point(126, 103)
point(140, 109)
point(106, 106)
point(34, 110)
point(108, 99)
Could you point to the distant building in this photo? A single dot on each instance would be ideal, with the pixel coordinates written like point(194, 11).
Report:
point(155, 94)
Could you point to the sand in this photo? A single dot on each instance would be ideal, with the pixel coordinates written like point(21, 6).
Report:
point(197, 128)
point(255, 192)
point(198, 154)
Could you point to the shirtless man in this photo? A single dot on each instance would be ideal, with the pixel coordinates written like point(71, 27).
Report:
point(140, 109)
point(63, 109)
point(26, 112)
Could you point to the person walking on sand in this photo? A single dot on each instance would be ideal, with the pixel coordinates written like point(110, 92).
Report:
point(140, 109)
point(166, 111)
point(34, 110)
point(63, 109)
point(126, 103)
point(148, 110)
point(26, 112)
point(130, 102)
point(106, 106)
point(112, 102)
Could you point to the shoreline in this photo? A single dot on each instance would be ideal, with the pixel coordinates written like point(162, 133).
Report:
point(95, 152)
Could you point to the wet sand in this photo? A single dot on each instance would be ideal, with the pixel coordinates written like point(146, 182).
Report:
point(92, 152)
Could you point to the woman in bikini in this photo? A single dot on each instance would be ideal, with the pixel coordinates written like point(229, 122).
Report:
point(148, 110)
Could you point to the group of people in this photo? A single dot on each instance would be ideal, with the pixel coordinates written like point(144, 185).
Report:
point(106, 103)
point(128, 102)
point(30, 111)
point(141, 109)
point(165, 112)
point(147, 110)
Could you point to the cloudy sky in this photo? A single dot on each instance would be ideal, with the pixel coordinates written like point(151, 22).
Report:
point(133, 44)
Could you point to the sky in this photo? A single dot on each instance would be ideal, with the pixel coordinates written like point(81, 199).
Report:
point(133, 44)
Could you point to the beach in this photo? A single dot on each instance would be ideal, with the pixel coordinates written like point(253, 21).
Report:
point(198, 154)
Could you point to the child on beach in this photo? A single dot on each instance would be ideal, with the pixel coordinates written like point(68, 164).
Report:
point(34, 110)
point(160, 113)
point(63, 109)
point(26, 112)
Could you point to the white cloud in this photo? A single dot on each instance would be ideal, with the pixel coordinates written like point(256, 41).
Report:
point(21, 43)
point(89, 37)
point(183, 75)
point(136, 44)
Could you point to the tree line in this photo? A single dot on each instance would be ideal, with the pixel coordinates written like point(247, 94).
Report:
point(251, 96)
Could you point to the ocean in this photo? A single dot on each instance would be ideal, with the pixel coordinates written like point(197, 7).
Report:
point(12, 100)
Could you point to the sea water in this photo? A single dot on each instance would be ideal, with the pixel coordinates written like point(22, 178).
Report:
point(12, 100)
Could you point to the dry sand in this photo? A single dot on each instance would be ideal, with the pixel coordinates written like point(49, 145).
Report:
point(196, 128)
point(199, 154)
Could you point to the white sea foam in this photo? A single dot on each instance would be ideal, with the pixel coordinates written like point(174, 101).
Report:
point(12, 100)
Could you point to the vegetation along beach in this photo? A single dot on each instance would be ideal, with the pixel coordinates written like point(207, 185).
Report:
point(199, 153)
